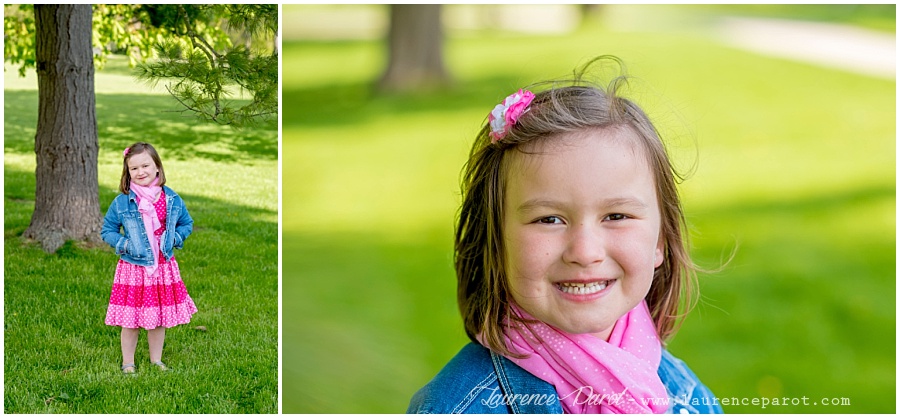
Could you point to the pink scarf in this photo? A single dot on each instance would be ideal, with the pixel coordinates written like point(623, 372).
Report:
point(595, 376)
point(146, 195)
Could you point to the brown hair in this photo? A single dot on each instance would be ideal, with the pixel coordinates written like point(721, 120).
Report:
point(135, 149)
point(565, 107)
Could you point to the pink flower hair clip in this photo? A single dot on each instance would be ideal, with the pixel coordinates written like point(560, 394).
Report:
point(125, 153)
point(505, 115)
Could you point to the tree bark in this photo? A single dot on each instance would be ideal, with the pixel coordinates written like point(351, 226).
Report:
point(66, 203)
point(416, 49)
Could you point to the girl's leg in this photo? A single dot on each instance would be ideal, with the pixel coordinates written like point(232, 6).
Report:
point(129, 344)
point(156, 337)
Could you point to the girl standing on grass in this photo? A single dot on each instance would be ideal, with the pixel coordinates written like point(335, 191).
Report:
point(572, 263)
point(145, 224)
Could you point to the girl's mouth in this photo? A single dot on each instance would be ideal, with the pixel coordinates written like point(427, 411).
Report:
point(582, 288)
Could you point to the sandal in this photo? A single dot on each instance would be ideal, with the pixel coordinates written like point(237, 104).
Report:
point(162, 366)
point(129, 369)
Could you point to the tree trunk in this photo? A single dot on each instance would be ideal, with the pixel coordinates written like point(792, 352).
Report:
point(416, 49)
point(66, 202)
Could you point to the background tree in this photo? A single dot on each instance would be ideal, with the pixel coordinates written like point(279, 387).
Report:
point(205, 74)
point(116, 29)
point(57, 41)
point(65, 145)
point(415, 49)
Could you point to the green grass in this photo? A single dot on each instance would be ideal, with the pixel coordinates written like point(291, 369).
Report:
point(880, 17)
point(59, 357)
point(795, 165)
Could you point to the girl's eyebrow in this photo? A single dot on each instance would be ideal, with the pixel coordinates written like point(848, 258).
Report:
point(626, 201)
point(532, 204)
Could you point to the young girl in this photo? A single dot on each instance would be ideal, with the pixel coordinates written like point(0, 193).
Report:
point(572, 264)
point(145, 224)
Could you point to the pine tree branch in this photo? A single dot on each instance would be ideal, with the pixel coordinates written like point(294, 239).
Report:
point(206, 47)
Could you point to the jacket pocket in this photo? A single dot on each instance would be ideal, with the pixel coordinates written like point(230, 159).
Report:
point(134, 232)
point(165, 243)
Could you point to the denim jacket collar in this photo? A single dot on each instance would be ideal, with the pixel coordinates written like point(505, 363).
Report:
point(477, 380)
point(536, 396)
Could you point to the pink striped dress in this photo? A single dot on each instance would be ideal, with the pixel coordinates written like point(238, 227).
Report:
point(139, 301)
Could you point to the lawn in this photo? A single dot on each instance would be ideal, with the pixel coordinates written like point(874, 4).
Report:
point(59, 357)
point(879, 17)
point(792, 168)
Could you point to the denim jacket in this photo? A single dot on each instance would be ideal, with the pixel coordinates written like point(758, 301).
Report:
point(479, 381)
point(134, 245)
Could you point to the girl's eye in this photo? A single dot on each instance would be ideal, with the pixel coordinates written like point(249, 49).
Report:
point(616, 217)
point(549, 220)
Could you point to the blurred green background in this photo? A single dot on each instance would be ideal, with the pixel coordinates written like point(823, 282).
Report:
point(792, 164)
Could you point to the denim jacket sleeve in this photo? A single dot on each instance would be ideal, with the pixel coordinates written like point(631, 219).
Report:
point(477, 381)
point(184, 224)
point(459, 386)
point(687, 395)
point(112, 225)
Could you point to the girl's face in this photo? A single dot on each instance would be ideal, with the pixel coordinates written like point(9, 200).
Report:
point(581, 230)
point(142, 169)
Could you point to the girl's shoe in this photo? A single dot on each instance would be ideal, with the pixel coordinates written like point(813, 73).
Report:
point(129, 369)
point(162, 366)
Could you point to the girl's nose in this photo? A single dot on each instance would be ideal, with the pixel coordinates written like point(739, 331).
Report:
point(585, 246)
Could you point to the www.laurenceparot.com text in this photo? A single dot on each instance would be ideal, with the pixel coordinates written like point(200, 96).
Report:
point(586, 396)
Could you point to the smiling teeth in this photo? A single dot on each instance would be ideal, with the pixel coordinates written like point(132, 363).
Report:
point(582, 288)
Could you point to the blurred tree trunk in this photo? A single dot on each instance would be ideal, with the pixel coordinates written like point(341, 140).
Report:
point(416, 49)
point(591, 9)
point(66, 202)
point(591, 13)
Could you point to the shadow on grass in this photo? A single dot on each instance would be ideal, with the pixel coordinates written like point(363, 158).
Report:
point(365, 306)
point(816, 276)
point(123, 119)
point(351, 104)
point(806, 206)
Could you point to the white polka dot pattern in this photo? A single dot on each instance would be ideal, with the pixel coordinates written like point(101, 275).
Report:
point(139, 301)
point(627, 364)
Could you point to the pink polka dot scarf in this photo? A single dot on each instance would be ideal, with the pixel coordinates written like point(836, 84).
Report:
point(146, 195)
point(595, 376)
